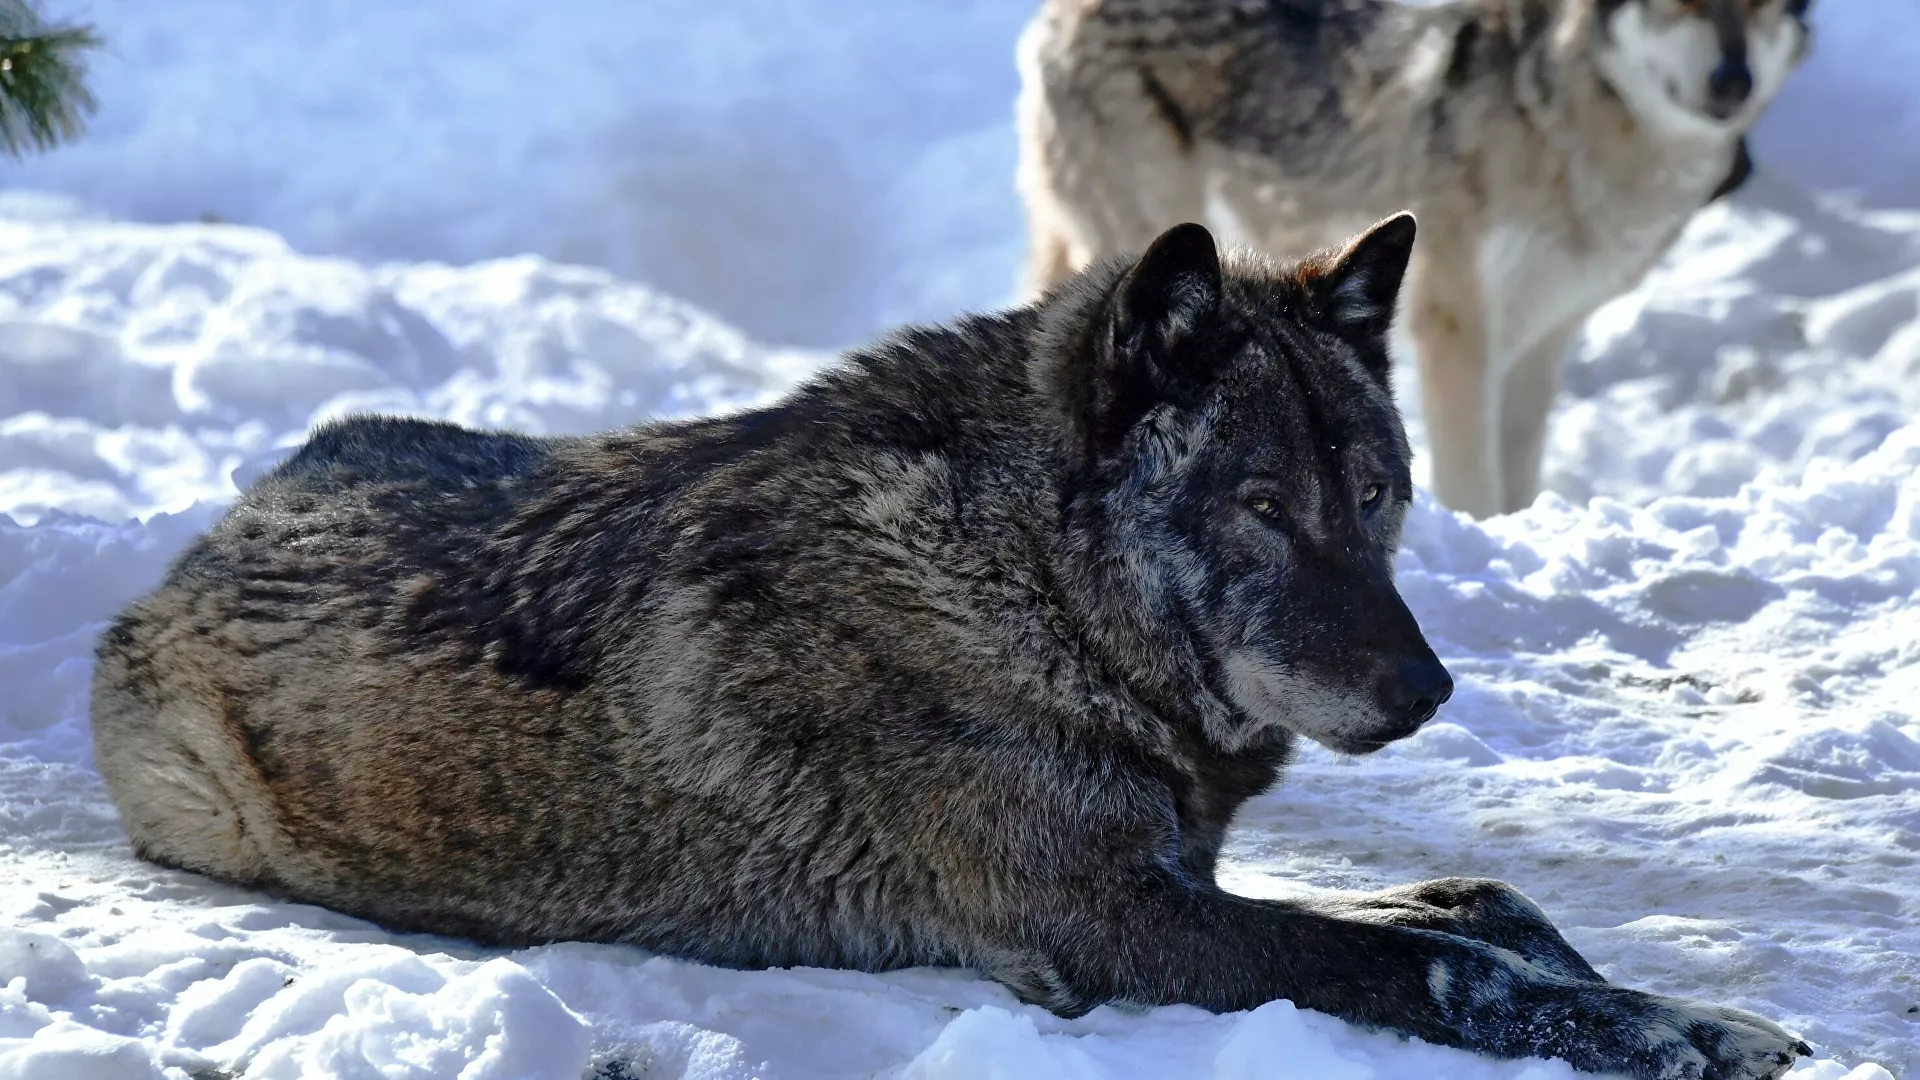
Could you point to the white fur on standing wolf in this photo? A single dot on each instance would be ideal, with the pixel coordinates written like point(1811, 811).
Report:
point(1552, 148)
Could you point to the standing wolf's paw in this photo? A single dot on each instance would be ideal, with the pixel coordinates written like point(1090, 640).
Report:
point(1601, 1028)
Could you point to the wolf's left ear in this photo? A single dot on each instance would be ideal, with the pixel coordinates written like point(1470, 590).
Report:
point(1362, 284)
point(1157, 318)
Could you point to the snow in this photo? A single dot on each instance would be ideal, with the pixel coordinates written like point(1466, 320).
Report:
point(1685, 721)
point(146, 362)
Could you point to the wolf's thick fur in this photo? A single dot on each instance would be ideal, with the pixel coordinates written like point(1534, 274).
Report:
point(966, 654)
point(1553, 149)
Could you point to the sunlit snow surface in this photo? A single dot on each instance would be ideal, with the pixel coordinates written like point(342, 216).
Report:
point(1685, 723)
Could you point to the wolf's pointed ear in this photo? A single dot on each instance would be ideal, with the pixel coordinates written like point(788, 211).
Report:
point(1156, 315)
point(1169, 293)
point(1361, 286)
point(1148, 343)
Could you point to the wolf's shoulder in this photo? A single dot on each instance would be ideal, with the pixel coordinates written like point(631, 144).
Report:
point(391, 449)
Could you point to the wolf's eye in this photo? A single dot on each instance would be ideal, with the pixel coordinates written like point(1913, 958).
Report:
point(1265, 505)
point(1370, 496)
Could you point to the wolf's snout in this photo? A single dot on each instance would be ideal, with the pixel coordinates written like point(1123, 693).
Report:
point(1728, 88)
point(1415, 691)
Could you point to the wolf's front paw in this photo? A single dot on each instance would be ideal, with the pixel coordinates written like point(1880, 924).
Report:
point(1737, 1045)
point(1600, 1028)
point(1479, 908)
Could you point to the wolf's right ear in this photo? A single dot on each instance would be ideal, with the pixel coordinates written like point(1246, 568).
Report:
point(1363, 284)
point(1360, 287)
point(1108, 358)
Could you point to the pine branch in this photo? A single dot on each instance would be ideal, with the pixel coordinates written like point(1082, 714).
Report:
point(43, 93)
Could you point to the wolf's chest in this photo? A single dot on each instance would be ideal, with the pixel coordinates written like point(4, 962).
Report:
point(1539, 280)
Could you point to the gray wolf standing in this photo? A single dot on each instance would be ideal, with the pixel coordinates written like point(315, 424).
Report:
point(966, 654)
point(1552, 148)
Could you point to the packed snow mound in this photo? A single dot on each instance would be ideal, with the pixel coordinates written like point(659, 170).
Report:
point(145, 363)
point(810, 170)
point(1781, 331)
point(1684, 722)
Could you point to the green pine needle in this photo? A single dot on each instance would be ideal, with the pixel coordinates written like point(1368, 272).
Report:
point(43, 94)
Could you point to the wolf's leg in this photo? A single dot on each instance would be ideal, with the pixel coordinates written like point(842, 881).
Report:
point(1049, 257)
point(1478, 908)
point(1096, 181)
point(1447, 317)
point(1527, 401)
point(1162, 940)
point(1073, 221)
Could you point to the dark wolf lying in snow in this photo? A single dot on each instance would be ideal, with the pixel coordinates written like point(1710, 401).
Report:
point(966, 653)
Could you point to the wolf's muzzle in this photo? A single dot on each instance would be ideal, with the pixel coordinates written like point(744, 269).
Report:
point(1414, 691)
point(1731, 82)
point(1728, 88)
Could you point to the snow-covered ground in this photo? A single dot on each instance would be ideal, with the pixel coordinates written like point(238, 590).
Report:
point(1686, 721)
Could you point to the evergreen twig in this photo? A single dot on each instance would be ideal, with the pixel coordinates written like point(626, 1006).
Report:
point(44, 98)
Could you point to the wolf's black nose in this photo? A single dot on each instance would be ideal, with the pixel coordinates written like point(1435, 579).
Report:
point(1418, 689)
point(1728, 87)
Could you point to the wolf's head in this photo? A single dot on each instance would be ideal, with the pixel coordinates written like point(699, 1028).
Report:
point(1700, 66)
point(1241, 475)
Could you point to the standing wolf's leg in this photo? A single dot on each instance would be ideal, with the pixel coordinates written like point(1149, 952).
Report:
point(1049, 257)
point(1447, 318)
point(1527, 402)
point(1073, 219)
point(1163, 940)
point(1106, 159)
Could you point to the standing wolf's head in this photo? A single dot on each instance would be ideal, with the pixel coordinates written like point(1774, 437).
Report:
point(1700, 65)
point(1240, 479)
